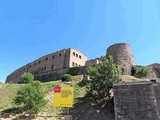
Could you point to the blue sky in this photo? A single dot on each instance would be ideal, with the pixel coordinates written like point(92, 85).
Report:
point(32, 28)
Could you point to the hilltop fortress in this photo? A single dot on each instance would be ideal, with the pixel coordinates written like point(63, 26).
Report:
point(54, 65)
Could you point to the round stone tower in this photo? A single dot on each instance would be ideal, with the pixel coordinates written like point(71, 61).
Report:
point(122, 56)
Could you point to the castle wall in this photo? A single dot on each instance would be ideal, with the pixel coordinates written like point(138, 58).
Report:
point(77, 58)
point(122, 55)
point(137, 101)
point(51, 66)
point(54, 65)
point(92, 62)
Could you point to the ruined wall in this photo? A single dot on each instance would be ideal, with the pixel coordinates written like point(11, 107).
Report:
point(137, 101)
point(122, 55)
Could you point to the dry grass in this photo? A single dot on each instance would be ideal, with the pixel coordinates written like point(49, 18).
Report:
point(128, 78)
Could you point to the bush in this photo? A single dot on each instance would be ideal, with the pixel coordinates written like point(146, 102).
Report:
point(27, 77)
point(66, 77)
point(142, 72)
point(103, 76)
point(73, 71)
point(32, 97)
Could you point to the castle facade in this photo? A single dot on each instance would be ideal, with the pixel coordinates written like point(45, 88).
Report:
point(54, 65)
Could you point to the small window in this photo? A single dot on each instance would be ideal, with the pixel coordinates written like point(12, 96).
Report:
point(80, 57)
point(34, 64)
point(72, 63)
point(46, 58)
point(76, 55)
point(52, 67)
point(44, 68)
point(76, 64)
point(30, 66)
point(60, 55)
point(73, 53)
point(53, 57)
point(39, 61)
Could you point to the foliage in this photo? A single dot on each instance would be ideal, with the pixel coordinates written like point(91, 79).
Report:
point(32, 97)
point(66, 77)
point(102, 77)
point(142, 72)
point(157, 71)
point(27, 77)
point(73, 71)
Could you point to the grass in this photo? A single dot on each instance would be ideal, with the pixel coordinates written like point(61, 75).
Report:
point(8, 93)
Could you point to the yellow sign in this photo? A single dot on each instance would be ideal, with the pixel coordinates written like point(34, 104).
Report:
point(63, 96)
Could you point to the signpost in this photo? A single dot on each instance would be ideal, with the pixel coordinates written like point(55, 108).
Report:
point(63, 97)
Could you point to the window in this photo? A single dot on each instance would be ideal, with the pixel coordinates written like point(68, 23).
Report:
point(76, 55)
point(76, 64)
point(46, 58)
point(30, 66)
point(53, 57)
point(72, 63)
point(73, 53)
point(79, 56)
point(52, 67)
point(44, 68)
point(39, 61)
point(60, 55)
point(34, 64)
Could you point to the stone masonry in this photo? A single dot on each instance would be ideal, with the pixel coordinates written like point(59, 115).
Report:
point(122, 55)
point(137, 101)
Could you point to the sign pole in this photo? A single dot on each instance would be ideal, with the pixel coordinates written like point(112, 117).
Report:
point(68, 111)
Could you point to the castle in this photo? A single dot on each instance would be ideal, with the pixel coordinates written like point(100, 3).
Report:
point(54, 65)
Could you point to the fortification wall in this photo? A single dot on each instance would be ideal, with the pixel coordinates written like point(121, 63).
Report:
point(122, 55)
point(137, 101)
point(51, 66)
point(54, 65)
point(92, 62)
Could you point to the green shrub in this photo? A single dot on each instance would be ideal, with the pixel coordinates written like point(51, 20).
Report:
point(27, 77)
point(103, 76)
point(66, 77)
point(73, 71)
point(31, 97)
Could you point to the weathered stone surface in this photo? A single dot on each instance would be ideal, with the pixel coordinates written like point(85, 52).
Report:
point(54, 65)
point(122, 55)
point(51, 66)
point(137, 101)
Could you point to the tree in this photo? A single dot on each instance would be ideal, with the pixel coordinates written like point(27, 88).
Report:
point(102, 77)
point(66, 77)
point(32, 97)
point(27, 77)
point(142, 72)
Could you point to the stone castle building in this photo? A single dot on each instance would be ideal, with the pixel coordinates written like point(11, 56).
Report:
point(51, 66)
point(122, 55)
point(54, 65)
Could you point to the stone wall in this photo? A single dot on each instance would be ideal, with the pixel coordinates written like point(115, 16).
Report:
point(137, 101)
point(122, 55)
point(51, 66)
point(54, 65)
